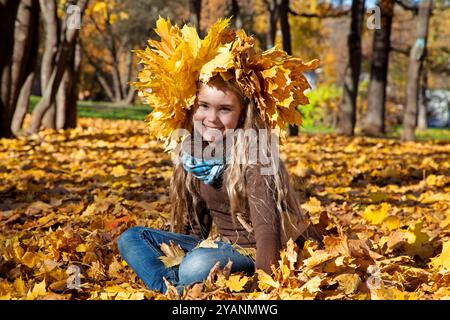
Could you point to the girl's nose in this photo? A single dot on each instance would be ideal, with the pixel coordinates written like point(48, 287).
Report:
point(211, 116)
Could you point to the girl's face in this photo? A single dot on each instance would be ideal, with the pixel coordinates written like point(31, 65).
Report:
point(217, 109)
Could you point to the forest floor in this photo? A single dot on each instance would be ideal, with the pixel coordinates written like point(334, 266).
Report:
point(65, 197)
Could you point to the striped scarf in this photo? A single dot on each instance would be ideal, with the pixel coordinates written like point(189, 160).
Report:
point(207, 171)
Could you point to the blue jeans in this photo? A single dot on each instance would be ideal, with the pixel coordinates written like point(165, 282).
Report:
point(140, 248)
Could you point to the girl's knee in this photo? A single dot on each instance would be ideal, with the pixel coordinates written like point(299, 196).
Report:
point(195, 266)
point(128, 237)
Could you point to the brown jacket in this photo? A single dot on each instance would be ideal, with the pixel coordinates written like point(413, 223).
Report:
point(265, 232)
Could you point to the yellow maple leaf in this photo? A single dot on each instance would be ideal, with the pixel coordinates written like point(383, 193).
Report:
point(223, 61)
point(392, 223)
point(236, 282)
point(446, 223)
point(38, 290)
point(430, 197)
point(5, 288)
point(99, 6)
point(388, 294)
point(349, 282)
point(414, 235)
point(81, 248)
point(221, 281)
point(313, 285)
point(19, 285)
point(30, 259)
point(317, 258)
point(376, 215)
point(174, 254)
point(442, 262)
point(119, 171)
point(265, 281)
point(207, 243)
point(313, 205)
point(290, 253)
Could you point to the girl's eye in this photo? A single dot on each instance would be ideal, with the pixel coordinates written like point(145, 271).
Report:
point(225, 109)
point(204, 106)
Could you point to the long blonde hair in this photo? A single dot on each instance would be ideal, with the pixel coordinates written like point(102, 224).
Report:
point(184, 188)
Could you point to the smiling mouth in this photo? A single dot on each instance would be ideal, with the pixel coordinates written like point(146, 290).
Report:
point(217, 128)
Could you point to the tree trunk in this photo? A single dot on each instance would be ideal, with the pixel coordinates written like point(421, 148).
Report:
point(285, 27)
point(416, 58)
point(26, 46)
point(99, 74)
point(61, 99)
point(422, 117)
point(287, 43)
point(63, 96)
point(22, 104)
point(8, 12)
point(48, 97)
point(127, 89)
point(49, 118)
point(128, 70)
point(104, 84)
point(26, 32)
point(236, 14)
point(71, 109)
point(273, 11)
point(195, 10)
point(130, 97)
point(52, 32)
point(374, 119)
point(117, 82)
point(347, 112)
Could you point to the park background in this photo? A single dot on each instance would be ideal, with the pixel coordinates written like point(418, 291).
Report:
point(370, 162)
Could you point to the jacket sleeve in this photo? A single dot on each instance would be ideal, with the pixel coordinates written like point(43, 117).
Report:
point(265, 219)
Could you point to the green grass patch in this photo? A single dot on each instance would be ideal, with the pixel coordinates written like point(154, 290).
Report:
point(308, 128)
point(104, 110)
point(427, 134)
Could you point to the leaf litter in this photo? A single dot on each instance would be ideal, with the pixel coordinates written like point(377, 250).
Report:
point(66, 196)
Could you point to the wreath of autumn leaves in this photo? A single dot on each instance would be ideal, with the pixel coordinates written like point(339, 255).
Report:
point(173, 66)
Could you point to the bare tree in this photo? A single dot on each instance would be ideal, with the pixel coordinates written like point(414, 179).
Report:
point(347, 113)
point(195, 9)
point(52, 32)
point(373, 123)
point(235, 12)
point(273, 7)
point(65, 51)
point(416, 58)
point(66, 99)
point(8, 12)
point(422, 117)
point(26, 45)
point(114, 70)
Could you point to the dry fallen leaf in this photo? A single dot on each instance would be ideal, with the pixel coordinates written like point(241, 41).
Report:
point(173, 254)
point(442, 261)
point(236, 282)
point(67, 197)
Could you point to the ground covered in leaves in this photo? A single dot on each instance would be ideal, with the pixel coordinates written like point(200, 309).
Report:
point(65, 197)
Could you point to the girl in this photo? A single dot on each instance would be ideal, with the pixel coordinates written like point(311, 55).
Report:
point(233, 107)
